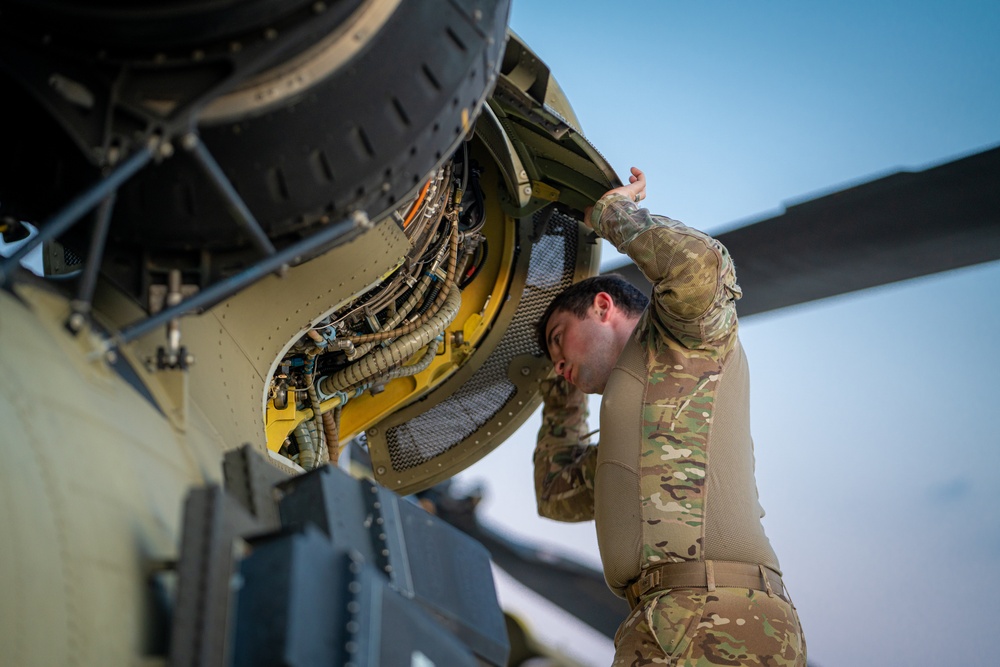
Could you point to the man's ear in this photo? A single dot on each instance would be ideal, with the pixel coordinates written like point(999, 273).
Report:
point(603, 304)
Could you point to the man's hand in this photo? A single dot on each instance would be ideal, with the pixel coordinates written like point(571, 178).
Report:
point(555, 390)
point(635, 190)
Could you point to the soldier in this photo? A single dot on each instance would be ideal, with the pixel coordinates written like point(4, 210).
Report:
point(671, 486)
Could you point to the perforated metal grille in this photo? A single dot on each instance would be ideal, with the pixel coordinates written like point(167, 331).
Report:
point(487, 392)
point(71, 258)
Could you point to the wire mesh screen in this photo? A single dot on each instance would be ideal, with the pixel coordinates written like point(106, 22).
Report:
point(487, 392)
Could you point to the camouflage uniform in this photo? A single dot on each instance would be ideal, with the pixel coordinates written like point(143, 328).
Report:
point(649, 483)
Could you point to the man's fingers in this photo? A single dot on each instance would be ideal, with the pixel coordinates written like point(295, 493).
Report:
point(637, 178)
point(635, 190)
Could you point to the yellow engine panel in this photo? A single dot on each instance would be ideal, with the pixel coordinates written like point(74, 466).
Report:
point(482, 300)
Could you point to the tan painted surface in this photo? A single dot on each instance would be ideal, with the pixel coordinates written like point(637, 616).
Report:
point(90, 493)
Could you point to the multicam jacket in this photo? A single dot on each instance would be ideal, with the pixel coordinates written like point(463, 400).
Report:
point(672, 479)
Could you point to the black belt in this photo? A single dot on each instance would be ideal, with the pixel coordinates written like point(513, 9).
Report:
point(707, 574)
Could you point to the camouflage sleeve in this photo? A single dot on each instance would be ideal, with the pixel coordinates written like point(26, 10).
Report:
point(565, 464)
point(694, 281)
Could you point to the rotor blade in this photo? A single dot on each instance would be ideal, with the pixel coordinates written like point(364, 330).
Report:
point(577, 588)
point(902, 226)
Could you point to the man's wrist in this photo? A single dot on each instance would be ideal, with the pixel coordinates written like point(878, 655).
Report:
point(594, 222)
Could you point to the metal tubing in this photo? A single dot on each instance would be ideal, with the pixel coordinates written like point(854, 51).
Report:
point(88, 281)
point(226, 189)
point(76, 209)
point(229, 286)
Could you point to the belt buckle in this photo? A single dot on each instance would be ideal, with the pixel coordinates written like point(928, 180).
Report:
point(648, 582)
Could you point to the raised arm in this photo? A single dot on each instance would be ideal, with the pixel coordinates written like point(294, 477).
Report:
point(565, 465)
point(694, 281)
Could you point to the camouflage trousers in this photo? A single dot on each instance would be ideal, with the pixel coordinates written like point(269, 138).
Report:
point(693, 627)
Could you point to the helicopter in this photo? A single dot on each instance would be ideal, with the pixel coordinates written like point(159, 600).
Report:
point(266, 230)
point(188, 336)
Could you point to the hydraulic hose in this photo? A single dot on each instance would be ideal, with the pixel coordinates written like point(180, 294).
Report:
point(446, 289)
point(416, 296)
point(321, 445)
point(412, 369)
point(331, 426)
point(304, 438)
point(397, 352)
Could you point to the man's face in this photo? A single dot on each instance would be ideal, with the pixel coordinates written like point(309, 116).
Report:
point(583, 351)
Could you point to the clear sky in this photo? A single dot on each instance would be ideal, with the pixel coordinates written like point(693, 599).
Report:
point(878, 460)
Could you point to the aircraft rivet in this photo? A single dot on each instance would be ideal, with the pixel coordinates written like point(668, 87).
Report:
point(527, 189)
point(381, 470)
point(372, 431)
point(525, 371)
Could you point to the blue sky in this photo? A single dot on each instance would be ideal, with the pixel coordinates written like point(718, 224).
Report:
point(878, 460)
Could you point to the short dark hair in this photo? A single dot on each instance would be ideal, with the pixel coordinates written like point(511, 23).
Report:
point(578, 297)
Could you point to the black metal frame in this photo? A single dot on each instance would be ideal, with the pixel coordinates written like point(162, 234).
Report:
point(158, 134)
point(102, 193)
